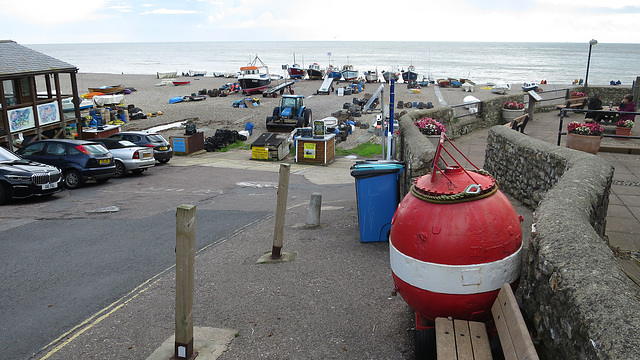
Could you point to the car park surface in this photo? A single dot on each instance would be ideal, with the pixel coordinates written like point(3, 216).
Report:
point(162, 150)
point(128, 156)
point(79, 160)
point(22, 178)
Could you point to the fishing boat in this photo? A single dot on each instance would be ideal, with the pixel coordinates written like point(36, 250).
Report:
point(166, 74)
point(107, 90)
point(334, 72)
point(197, 72)
point(178, 83)
point(254, 77)
point(371, 76)
point(314, 72)
point(528, 86)
point(295, 71)
point(349, 73)
point(501, 89)
point(388, 75)
point(410, 74)
point(67, 104)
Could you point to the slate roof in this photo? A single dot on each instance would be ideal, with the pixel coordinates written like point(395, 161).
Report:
point(18, 60)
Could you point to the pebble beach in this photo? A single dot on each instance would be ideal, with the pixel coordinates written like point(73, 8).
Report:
point(218, 113)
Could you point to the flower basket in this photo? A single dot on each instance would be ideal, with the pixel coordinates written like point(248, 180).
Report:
point(577, 94)
point(509, 115)
point(623, 130)
point(429, 126)
point(584, 137)
point(586, 143)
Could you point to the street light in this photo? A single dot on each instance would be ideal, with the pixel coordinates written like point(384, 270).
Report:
point(586, 77)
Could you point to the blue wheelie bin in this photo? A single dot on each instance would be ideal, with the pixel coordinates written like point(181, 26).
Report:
point(377, 196)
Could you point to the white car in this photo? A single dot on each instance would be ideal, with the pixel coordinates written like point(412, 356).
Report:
point(128, 156)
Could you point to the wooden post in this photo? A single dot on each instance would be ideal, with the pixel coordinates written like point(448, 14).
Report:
point(283, 190)
point(185, 258)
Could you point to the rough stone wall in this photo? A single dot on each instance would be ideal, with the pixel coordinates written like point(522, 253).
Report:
point(577, 299)
point(608, 93)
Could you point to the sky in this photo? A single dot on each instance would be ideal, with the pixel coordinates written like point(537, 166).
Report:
point(112, 21)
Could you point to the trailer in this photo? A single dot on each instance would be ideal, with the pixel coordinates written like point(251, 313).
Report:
point(273, 91)
point(326, 87)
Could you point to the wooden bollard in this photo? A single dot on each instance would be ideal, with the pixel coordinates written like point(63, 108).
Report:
point(185, 258)
point(281, 208)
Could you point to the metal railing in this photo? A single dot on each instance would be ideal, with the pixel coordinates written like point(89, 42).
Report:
point(612, 114)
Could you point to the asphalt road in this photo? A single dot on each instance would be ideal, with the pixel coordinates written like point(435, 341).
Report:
point(67, 257)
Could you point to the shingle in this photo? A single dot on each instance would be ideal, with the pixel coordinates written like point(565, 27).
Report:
point(16, 59)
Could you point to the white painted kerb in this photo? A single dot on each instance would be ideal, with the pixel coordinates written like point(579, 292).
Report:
point(455, 279)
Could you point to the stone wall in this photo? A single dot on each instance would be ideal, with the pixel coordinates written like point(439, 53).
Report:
point(577, 301)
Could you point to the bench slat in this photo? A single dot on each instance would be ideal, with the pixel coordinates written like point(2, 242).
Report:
point(480, 341)
point(445, 339)
point(512, 330)
point(463, 340)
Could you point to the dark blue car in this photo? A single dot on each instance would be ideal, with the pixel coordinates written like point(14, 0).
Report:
point(79, 160)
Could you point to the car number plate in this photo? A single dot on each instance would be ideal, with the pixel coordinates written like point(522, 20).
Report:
point(162, 148)
point(49, 186)
point(104, 161)
point(146, 155)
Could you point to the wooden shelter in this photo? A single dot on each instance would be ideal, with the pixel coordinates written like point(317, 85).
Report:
point(27, 112)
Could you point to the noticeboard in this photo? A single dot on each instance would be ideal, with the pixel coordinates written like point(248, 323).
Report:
point(318, 129)
point(260, 153)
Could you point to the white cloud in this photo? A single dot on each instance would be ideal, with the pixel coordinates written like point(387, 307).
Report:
point(47, 12)
point(169, 12)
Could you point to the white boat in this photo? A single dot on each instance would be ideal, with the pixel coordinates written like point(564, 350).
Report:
point(349, 72)
point(501, 88)
point(197, 72)
point(67, 104)
point(371, 76)
point(166, 74)
point(528, 86)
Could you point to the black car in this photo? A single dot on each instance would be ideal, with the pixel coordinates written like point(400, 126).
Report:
point(79, 160)
point(22, 178)
point(162, 150)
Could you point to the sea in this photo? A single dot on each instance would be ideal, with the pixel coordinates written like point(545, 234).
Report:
point(481, 62)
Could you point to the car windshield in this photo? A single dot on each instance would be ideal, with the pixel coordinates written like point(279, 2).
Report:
point(96, 149)
point(155, 138)
point(6, 155)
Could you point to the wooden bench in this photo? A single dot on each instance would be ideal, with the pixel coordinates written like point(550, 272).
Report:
point(518, 123)
point(460, 339)
point(575, 103)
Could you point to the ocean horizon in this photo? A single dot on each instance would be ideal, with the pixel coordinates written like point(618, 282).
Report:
point(482, 62)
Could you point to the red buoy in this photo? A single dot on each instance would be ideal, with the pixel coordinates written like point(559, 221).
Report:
point(455, 239)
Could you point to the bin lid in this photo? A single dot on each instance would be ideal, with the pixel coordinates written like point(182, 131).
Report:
point(371, 168)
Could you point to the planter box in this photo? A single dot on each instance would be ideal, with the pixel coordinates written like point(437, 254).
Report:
point(509, 115)
point(586, 143)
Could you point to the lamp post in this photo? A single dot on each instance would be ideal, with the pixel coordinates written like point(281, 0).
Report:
point(586, 77)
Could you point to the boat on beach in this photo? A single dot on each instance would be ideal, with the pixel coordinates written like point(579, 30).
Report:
point(334, 72)
point(501, 89)
point(166, 74)
point(410, 74)
point(528, 86)
point(107, 90)
point(314, 72)
point(388, 75)
point(349, 72)
point(197, 72)
point(254, 77)
point(178, 83)
point(295, 71)
point(371, 76)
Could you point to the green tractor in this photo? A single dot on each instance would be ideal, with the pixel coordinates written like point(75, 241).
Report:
point(289, 115)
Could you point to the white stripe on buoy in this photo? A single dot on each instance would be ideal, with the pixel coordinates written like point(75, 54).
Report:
point(455, 279)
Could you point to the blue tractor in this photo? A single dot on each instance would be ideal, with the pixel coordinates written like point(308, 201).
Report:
point(289, 115)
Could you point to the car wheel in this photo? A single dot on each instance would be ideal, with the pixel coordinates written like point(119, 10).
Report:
point(163, 161)
point(120, 169)
point(72, 179)
point(3, 195)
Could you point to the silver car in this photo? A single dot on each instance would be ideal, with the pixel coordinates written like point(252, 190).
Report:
point(128, 156)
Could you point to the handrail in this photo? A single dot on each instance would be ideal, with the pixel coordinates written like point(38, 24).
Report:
point(563, 113)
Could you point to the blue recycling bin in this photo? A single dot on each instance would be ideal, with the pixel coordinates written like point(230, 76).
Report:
point(377, 196)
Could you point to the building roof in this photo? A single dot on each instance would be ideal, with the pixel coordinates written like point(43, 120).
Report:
point(16, 60)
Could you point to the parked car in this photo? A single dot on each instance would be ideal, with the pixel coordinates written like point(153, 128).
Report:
point(79, 160)
point(128, 156)
point(162, 150)
point(22, 178)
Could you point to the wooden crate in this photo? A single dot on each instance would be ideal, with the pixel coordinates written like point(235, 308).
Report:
point(270, 146)
point(187, 144)
point(316, 151)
